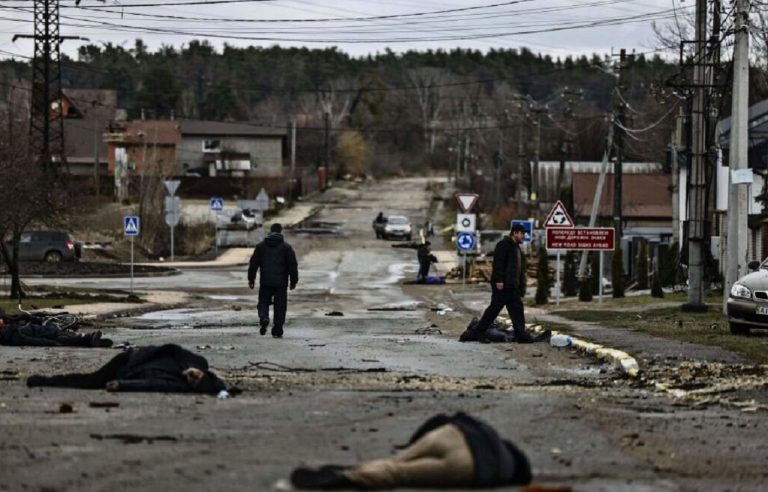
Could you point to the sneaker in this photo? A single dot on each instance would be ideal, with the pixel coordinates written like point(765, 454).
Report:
point(277, 332)
point(263, 323)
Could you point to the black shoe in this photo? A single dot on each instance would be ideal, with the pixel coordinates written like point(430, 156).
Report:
point(543, 336)
point(263, 323)
point(277, 333)
point(322, 479)
point(96, 338)
point(524, 339)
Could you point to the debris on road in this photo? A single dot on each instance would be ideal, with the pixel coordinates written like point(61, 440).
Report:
point(104, 404)
point(429, 330)
point(334, 313)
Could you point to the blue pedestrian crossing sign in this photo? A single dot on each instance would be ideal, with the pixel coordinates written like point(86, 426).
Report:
point(528, 225)
point(131, 225)
point(217, 204)
point(466, 241)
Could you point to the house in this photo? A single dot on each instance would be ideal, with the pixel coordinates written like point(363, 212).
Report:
point(646, 208)
point(87, 114)
point(215, 148)
point(141, 148)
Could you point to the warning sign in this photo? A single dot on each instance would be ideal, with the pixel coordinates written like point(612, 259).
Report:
point(558, 217)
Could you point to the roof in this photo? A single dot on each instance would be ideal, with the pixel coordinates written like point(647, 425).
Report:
point(151, 132)
point(758, 119)
point(226, 128)
point(97, 108)
point(643, 195)
point(595, 166)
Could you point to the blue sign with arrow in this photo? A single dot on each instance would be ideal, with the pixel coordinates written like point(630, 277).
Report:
point(466, 241)
point(528, 226)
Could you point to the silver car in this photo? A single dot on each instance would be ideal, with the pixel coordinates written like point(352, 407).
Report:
point(747, 304)
point(398, 226)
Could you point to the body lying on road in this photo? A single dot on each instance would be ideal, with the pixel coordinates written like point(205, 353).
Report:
point(21, 333)
point(167, 368)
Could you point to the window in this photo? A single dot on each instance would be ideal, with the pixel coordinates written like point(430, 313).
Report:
point(213, 145)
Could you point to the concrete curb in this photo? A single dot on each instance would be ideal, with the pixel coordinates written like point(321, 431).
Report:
point(618, 358)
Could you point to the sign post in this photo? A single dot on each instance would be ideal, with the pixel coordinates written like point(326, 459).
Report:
point(217, 205)
point(172, 207)
point(131, 228)
point(465, 241)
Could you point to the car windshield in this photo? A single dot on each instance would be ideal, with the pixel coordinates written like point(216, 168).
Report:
point(398, 221)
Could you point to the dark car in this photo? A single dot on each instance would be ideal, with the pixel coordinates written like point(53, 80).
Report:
point(747, 304)
point(50, 246)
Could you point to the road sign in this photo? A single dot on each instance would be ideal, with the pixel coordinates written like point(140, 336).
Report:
point(467, 201)
point(172, 204)
point(172, 185)
point(581, 238)
point(466, 222)
point(172, 218)
point(262, 201)
point(131, 225)
point(466, 241)
point(528, 225)
point(217, 204)
point(558, 217)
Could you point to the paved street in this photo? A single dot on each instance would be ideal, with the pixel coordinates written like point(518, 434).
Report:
point(341, 389)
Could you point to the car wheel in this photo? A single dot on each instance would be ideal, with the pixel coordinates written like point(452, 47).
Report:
point(739, 329)
point(53, 257)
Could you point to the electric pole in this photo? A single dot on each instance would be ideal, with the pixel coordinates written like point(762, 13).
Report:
point(697, 200)
point(47, 118)
point(618, 176)
point(537, 112)
point(738, 206)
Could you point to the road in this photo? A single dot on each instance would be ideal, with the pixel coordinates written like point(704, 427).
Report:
point(340, 389)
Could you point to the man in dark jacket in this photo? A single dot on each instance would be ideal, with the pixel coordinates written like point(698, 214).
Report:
point(167, 368)
point(279, 270)
point(508, 284)
point(426, 258)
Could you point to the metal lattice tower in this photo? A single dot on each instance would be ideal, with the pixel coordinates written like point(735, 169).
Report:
point(46, 118)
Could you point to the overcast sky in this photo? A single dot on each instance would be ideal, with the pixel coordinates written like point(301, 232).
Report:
point(556, 27)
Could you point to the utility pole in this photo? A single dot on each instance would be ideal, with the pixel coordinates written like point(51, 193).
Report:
point(565, 147)
point(697, 176)
point(327, 124)
point(537, 111)
point(47, 117)
point(738, 205)
point(96, 158)
point(293, 147)
point(618, 178)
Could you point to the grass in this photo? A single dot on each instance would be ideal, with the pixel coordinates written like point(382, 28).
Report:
point(11, 306)
point(709, 328)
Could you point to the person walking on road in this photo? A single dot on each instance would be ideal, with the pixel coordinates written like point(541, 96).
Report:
point(279, 271)
point(508, 284)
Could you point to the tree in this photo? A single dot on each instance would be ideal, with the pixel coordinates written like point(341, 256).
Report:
point(617, 268)
point(542, 289)
point(642, 266)
point(354, 153)
point(32, 193)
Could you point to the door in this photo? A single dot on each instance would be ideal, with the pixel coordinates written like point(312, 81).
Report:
point(26, 249)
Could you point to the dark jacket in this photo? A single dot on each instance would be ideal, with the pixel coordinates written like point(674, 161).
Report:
point(424, 254)
point(32, 334)
point(505, 265)
point(497, 461)
point(277, 262)
point(160, 369)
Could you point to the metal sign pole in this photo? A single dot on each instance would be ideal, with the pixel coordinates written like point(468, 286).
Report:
point(463, 270)
point(131, 265)
point(172, 228)
point(216, 231)
point(557, 279)
point(600, 280)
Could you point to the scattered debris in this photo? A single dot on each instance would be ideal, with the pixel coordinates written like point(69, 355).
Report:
point(134, 438)
point(66, 407)
point(273, 366)
point(429, 330)
point(334, 313)
point(104, 404)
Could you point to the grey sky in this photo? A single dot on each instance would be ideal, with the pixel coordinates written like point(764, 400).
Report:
point(507, 25)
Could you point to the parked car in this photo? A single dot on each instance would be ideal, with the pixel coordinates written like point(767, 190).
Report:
point(247, 218)
point(398, 226)
point(50, 246)
point(747, 304)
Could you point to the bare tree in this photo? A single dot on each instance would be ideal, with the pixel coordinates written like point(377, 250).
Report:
point(428, 86)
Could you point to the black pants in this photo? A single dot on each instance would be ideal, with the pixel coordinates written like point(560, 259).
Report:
point(92, 380)
point(513, 301)
point(423, 269)
point(277, 296)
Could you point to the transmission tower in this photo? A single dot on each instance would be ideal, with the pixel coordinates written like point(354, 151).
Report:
point(47, 118)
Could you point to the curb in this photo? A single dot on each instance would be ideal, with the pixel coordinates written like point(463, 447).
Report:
point(618, 358)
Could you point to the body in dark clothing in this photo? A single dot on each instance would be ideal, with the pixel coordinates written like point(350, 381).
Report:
point(508, 285)
point(168, 368)
point(21, 334)
point(426, 258)
point(279, 270)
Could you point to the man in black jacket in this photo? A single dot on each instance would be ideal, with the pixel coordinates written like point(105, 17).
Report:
point(426, 258)
point(279, 270)
point(508, 285)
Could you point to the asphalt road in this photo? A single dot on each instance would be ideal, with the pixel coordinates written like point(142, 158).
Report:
point(340, 389)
